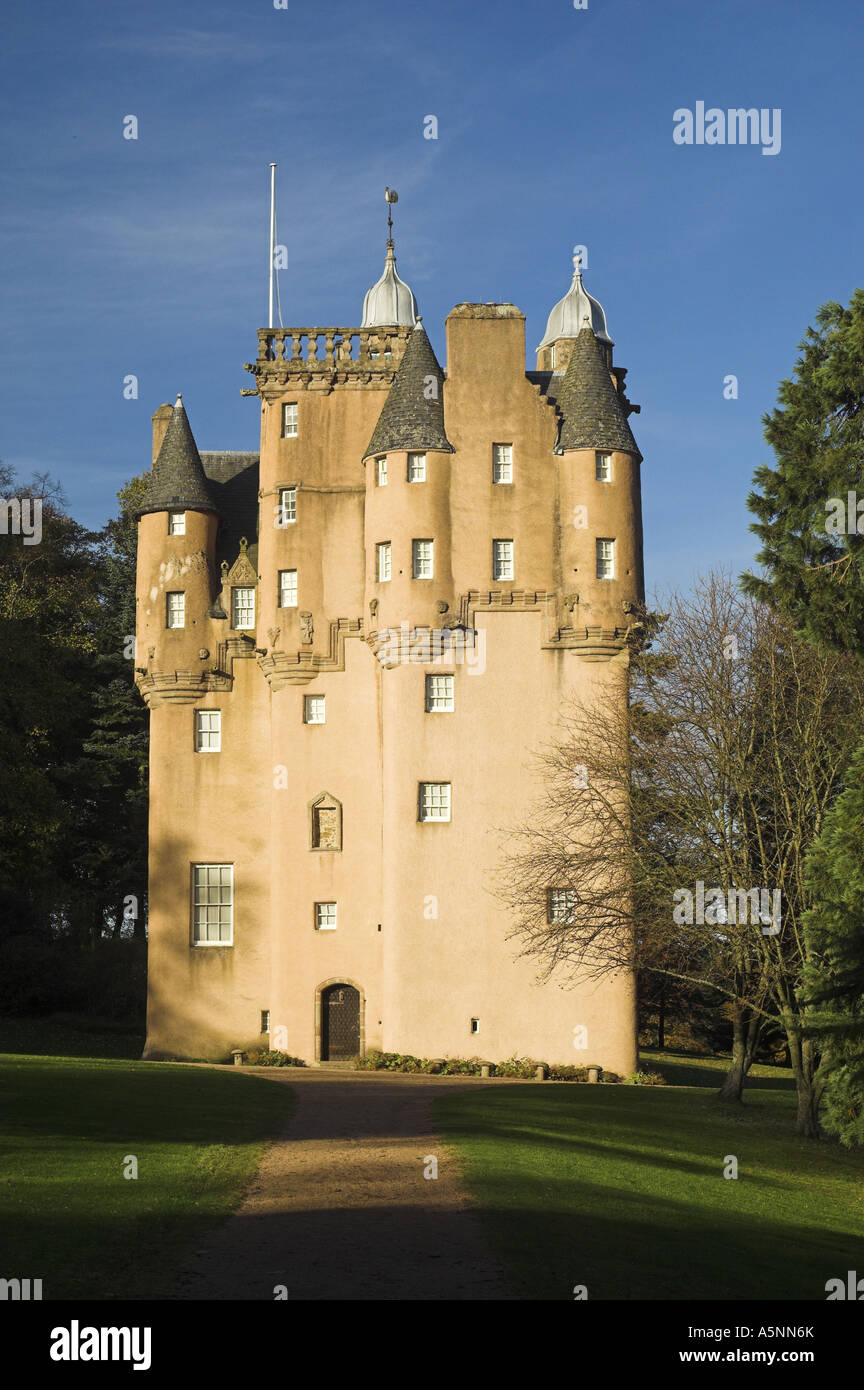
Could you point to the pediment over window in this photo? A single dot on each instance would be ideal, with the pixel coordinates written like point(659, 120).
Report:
point(242, 571)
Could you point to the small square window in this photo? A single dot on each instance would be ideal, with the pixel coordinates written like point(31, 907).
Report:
point(422, 559)
point(289, 420)
point(325, 917)
point(208, 730)
point(287, 588)
point(434, 801)
point(439, 694)
point(416, 468)
point(213, 904)
point(561, 905)
point(502, 559)
point(502, 463)
point(243, 609)
point(382, 559)
point(287, 512)
point(175, 610)
point(176, 523)
point(381, 471)
point(313, 709)
point(603, 467)
point(605, 559)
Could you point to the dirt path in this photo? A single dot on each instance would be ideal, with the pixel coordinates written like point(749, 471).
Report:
point(340, 1209)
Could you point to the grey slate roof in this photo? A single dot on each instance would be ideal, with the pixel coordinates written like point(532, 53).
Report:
point(409, 419)
point(233, 480)
point(592, 414)
point(177, 481)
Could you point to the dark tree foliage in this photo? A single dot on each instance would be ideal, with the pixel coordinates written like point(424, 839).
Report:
point(73, 754)
point(835, 929)
point(813, 573)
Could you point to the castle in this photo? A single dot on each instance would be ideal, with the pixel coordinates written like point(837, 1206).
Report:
point(350, 644)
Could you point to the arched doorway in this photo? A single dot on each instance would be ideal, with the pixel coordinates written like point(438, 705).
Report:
point(340, 1022)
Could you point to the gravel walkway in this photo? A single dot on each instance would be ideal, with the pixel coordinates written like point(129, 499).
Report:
point(340, 1209)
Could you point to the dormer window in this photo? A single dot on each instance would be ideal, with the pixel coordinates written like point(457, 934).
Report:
point(243, 608)
point(176, 523)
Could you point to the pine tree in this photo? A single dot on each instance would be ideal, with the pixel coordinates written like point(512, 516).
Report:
point(814, 573)
point(835, 975)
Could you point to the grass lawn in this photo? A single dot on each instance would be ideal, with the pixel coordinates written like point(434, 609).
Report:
point(69, 1215)
point(621, 1188)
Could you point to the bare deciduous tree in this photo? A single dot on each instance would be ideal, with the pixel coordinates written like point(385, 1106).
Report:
point(682, 850)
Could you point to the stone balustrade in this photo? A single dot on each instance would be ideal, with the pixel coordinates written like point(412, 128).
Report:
point(331, 349)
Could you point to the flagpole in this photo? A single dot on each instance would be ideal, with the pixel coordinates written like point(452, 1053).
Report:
point(272, 238)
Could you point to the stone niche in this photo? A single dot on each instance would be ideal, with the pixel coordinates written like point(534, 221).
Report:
point(325, 823)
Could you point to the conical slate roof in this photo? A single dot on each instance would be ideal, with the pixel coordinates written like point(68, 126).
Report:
point(592, 414)
point(177, 481)
point(413, 414)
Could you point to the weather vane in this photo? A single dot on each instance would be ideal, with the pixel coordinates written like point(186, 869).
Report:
point(392, 197)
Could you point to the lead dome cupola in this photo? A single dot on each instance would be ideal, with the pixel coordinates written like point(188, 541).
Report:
point(390, 301)
point(574, 311)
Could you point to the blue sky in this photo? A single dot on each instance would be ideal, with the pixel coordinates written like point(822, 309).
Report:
point(554, 128)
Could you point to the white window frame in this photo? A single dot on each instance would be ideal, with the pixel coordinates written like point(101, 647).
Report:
point(383, 562)
point(175, 610)
point(287, 506)
point(381, 470)
point(210, 898)
point(176, 523)
point(423, 561)
point(605, 558)
point(502, 463)
point(503, 561)
point(325, 920)
point(237, 609)
point(288, 589)
point(311, 709)
point(560, 900)
point(603, 466)
point(443, 699)
point(416, 471)
point(290, 420)
point(432, 798)
point(208, 731)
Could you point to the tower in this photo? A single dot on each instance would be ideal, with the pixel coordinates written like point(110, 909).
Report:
point(383, 613)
